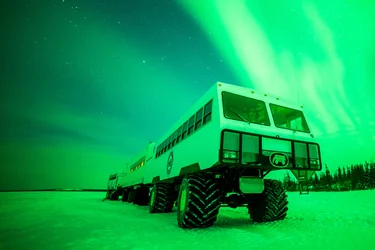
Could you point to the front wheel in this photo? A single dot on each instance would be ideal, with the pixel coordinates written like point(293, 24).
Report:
point(198, 202)
point(163, 196)
point(271, 205)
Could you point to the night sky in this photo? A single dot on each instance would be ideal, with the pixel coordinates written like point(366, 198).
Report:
point(87, 84)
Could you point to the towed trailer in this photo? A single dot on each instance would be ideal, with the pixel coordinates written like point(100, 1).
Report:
point(219, 153)
point(114, 187)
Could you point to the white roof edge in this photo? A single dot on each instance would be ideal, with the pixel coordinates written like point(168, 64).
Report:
point(281, 99)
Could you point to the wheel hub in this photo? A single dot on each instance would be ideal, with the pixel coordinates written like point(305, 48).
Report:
point(182, 203)
point(152, 200)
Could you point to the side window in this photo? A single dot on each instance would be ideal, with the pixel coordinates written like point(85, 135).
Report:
point(198, 119)
point(191, 125)
point(164, 146)
point(174, 138)
point(169, 140)
point(179, 133)
point(207, 112)
point(184, 130)
point(157, 151)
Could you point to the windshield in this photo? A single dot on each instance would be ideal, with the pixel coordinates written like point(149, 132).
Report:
point(245, 109)
point(289, 118)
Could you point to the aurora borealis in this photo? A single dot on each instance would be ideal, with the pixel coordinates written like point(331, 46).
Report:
point(86, 84)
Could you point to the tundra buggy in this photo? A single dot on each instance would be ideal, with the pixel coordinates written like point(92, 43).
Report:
point(219, 153)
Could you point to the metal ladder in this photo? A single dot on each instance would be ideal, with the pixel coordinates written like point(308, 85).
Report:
point(303, 176)
point(303, 181)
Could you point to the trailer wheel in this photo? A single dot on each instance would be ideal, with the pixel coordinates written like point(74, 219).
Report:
point(271, 205)
point(141, 196)
point(198, 202)
point(162, 198)
point(114, 195)
point(125, 195)
point(131, 195)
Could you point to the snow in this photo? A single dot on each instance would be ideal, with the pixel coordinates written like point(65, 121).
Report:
point(80, 220)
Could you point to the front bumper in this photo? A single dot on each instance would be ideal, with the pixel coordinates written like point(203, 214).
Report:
point(267, 152)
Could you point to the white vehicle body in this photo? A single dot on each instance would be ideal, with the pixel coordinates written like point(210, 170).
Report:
point(115, 181)
point(223, 141)
point(136, 167)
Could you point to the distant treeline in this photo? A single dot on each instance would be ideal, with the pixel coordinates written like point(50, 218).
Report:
point(354, 177)
point(57, 189)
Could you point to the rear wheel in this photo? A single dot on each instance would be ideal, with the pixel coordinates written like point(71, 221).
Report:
point(131, 195)
point(198, 202)
point(114, 195)
point(271, 205)
point(141, 196)
point(162, 198)
point(125, 195)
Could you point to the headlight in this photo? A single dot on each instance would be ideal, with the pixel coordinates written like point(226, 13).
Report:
point(230, 154)
point(314, 163)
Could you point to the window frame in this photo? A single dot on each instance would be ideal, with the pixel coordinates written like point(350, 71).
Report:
point(179, 134)
point(303, 120)
point(198, 119)
point(157, 151)
point(238, 118)
point(164, 146)
point(207, 115)
point(184, 132)
point(191, 125)
point(169, 143)
point(174, 138)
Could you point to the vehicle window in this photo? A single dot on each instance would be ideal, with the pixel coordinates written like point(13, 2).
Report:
point(242, 108)
point(191, 125)
point(198, 119)
point(289, 118)
point(207, 112)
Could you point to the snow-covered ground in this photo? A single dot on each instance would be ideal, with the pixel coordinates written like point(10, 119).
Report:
point(80, 220)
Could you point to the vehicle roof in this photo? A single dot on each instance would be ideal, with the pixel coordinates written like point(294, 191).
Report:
point(256, 94)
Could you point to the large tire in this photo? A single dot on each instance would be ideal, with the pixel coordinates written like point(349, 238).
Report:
point(271, 205)
point(198, 202)
point(162, 198)
point(114, 195)
point(141, 196)
point(125, 195)
point(131, 195)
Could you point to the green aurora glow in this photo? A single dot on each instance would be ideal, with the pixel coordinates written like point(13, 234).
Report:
point(320, 52)
point(86, 86)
